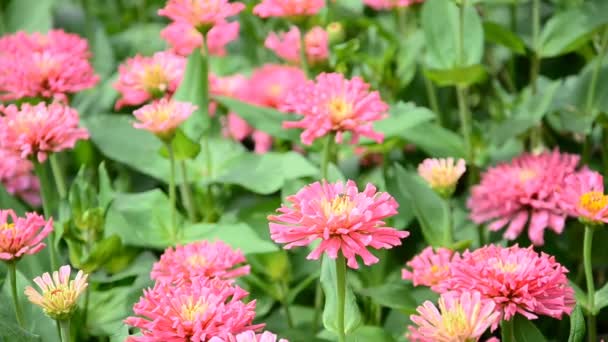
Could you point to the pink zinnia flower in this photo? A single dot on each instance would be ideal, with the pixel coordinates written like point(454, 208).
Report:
point(523, 190)
point(201, 13)
point(22, 235)
point(335, 104)
point(163, 117)
point(583, 196)
point(288, 8)
point(199, 259)
point(344, 219)
point(518, 280)
point(430, 268)
point(287, 45)
point(390, 4)
point(194, 311)
point(59, 297)
point(16, 175)
point(460, 318)
point(40, 129)
point(270, 83)
point(250, 336)
point(144, 78)
point(184, 38)
point(442, 174)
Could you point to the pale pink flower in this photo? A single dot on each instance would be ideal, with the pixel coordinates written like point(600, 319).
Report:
point(145, 78)
point(194, 311)
point(201, 13)
point(59, 297)
point(430, 268)
point(22, 235)
point(522, 193)
point(287, 45)
point(460, 318)
point(250, 336)
point(582, 196)
point(344, 219)
point(518, 280)
point(16, 175)
point(335, 104)
point(270, 83)
point(37, 130)
point(288, 8)
point(162, 117)
point(184, 38)
point(442, 174)
point(390, 4)
point(199, 259)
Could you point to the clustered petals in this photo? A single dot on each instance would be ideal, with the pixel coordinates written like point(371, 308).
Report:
point(442, 174)
point(583, 197)
point(270, 83)
point(287, 45)
point(250, 336)
point(22, 235)
point(430, 268)
point(288, 8)
point(163, 117)
point(16, 175)
point(185, 38)
point(201, 13)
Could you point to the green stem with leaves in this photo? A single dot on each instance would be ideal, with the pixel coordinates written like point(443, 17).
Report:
point(326, 156)
point(209, 202)
point(65, 330)
point(12, 272)
point(172, 196)
point(303, 57)
point(341, 292)
point(284, 287)
point(186, 193)
point(58, 176)
point(461, 91)
point(46, 194)
point(587, 264)
point(448, 234)
point(596, 71)
point(535, 63)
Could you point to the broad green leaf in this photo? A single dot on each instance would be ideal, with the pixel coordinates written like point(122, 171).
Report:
point(525, 331)
point(435, 140)
point(103, 53)
point(405, 214)
point(601, 298)
point(579, 294)
point(391, 295)
point(577, 325)
point(458, 76)
point(29, 15)
point(193, 89)
point(106, 193)
point(9, 329)
point(139, 38)
point(237, 235)
point(183, 147)
point(9, 202)
point(139, 266)
point(402, 116)
point(498, 34)
point(102, 252)
point(352, 318)
point(363, 333)
point(108, 309)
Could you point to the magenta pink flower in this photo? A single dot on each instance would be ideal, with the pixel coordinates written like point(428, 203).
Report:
point(22, 235)
point(390, 4)
point(201, 13)
point(461, 317)
point(145, 78)
point(344, 219)
point(163, 117)
point(194, 311)
point(199, 259)
point(184, 38)
point(335, 104)
point(288, 8)
point(287, 45)
point(430, 268)
point(270, 83)
point(16, 175)
point(583, 196)
point(40, 129)
point(442, 174)
point(523, 192)
point(518, 280)
point(250, 336)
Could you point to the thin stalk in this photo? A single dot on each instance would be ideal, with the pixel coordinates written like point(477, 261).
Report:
point(205, 75)
point(318, 307)
point(507, 330)
point(596, 72)
point(448, 237)
point(172, 197)
point(58, 176)
point(341, 291)
point(461, 13)
point(65, 330)
point(401, 18)
point(12, 271)
point(45, 194)
point(186, 193)
point(209, 200)
point(327, 155)
point(86, 306)
point(605, 150)
point(431, 95)
point(465, 121)
point(303, 57)
point(535, 65)
point(587, 242)
point(285, 294)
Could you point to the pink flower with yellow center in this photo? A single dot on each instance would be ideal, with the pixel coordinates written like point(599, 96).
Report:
point(162, 117)
point(270, 83)
point(430, 268)
point(16, 175)
point(185, 38)
point(335, 104)
point(195, 311)
point(583, 197)
point(390, 4)
point(518, 280)
point(250, 336)
point(442, 174)
point(461, 317)
point(35, 131)
point(288, 8)
point(22, 235)
point(522, 193)
point(59, 297)
point(144, 78)
point(344, 219)
point(202, 14)
point(199, 259)
point(287, 45)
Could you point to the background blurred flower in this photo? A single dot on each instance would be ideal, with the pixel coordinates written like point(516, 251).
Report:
point(390, 4)
point(269, 84)
point(288, 8)
point(430, 268)
point(22, 235)
point(251, 336)
point(184, 38)
point(163, 117)
point(16, 175)
point(287, 45)
point(200, 13)
point(583, 196)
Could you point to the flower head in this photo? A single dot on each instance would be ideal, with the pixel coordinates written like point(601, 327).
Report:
point(16, 175)
point(442, 174)
point(40, 129)
point(59, 295)
point(194, 311)
point(250, 336)
point(460, 318)
point(22, 235)
point(163, 117)
point(344, 219)
point(270, 83)
point(288, 8)
point(335, 104)
point(287, 45)
point(202, 14)
point(518, 280)
point(583, 196)
point(523, 190)
point(144, 78)
point(390, 4)
point(430, 268)
point(184, 38)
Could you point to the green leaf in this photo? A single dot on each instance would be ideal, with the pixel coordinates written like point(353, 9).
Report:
point(498, 34)
point(9, 329)
point(237, 235)
point(102, 252)
point(183, 147)
point(9, 202)
point(391, 295)
point(525, 331)
point(435, 140)
point(193, 89)
point(106, 193)
point(402, 116)
point(108, 309)
point(458, 76)
point(601, 299)
point(29, 15)
point(352, 318)
point(577, 325)
point(579, 294)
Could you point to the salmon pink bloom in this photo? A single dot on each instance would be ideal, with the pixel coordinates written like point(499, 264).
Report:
point(344, 219)
point(270, 83)
point(202, 14)
point(199, 259)
point(250, 336)
point(460, 318)
point(287, 45)
point(442, 174)
point(518, 280)
point(16, 175)
point(184, 38)
point(583, 196)
point(335, 104)
point(194, 311)
point(59, 297)
point(22, 235)
point(162, 117)
point(37, 130)
point(522, 193)
point(390, 4)
point(430, 268)
point(288, 8)
point(145, 78)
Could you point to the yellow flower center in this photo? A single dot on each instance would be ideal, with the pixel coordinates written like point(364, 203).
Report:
point(505, 267)
point(526, 174)
point(593, 201)
point(340, 205)
point(275, 89)
point(154, 79)
point(191, 309)
point(455, 323)
point(339, 110)
point(59, 300)
point(7, 226)
point(197, 260)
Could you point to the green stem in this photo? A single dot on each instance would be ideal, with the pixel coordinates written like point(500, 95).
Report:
point(341, 291)
point(318, 307)
point(401, 17)
point(303, 57)
point(12, 271)
point(86, 306)
point(465, 121)
point(448, 237)
point(461, 54)
point(187, 193)
point(46, 194)
point(172, 197)
point(587, 242)
point(65, 330)
point(58, 176)
point(605, 150)
point(431, 95)
point(595, 75)
point(327, 155)
point(204, 93)
point(507, 330)
point(535, 64)
point(209, 200)
point(285, 294)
